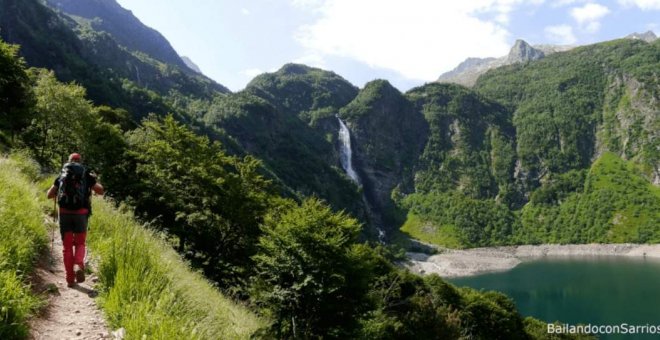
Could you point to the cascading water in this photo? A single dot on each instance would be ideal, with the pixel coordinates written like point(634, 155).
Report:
point(346, 153)
point(346, 159)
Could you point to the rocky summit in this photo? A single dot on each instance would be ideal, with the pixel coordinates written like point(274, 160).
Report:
point(467, 72)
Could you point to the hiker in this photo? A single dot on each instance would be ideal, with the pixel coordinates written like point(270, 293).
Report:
point(73, 189)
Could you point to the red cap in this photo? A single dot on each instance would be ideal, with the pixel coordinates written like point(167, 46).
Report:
point(74, 157)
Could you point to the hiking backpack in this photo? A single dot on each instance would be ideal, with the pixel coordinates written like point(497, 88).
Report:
point(73, 192)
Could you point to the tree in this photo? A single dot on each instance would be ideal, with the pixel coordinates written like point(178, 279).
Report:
point(15, 92)
point(211, 202)
point(63, 117)
point(306, 273)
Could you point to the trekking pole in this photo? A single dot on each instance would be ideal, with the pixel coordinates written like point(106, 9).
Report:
point(52, 229)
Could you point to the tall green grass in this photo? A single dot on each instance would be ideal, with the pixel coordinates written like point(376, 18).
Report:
point(149, 291)
point(22, 237)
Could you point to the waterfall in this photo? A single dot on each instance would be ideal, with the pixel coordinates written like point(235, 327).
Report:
point(346, 159)
point(346, 153)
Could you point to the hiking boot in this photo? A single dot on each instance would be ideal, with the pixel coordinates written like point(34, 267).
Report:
point(80, 273)
point(70, 284)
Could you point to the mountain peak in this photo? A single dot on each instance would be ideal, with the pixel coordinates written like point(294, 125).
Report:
point(467, 72)
point(381, 85)
point(647, 36)
point(292, 69)
point(522, 51)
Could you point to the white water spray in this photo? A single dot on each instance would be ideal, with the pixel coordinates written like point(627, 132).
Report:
point(346, 153)
point(346, 159)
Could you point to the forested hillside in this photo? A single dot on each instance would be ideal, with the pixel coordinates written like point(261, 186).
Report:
point(259, 121)
point(568, 121)
point(530, 132)
point(287, 119)
point(518, 131)
point(248, 188)
point(300, 266)
point(111, 74)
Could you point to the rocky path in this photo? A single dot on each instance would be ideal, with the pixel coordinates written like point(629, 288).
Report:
point(71, 313)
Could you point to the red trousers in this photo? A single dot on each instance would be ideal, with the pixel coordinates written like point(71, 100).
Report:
point(74, 253)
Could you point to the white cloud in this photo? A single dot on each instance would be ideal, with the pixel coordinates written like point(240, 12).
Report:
point(643, 4)
point(589, 12)
point(588, 16)
point(592, 27)
point(306, 4)
point(245, 11)
point(419, 39)
point(562, 3)
point(561, 34)
point(312, 59)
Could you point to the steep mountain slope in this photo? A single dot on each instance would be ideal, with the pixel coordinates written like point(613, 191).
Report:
point(609, 203)
point(566, 122)
point(270, 120)
point(468, 160)
point(298, 266)
point(470, 144)
point(191, 65)
point(287, 119)
point(125, 28)
point(568, 108)
point(388, 136)
point(112, 74)
point(438, 138)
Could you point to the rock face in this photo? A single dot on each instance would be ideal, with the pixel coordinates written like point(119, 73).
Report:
point(522, 51)
point(470, 66)
point(191, 65)
point(647, 36)
point(388, 137)
point(467, 72)
point(631, 126)
point(470, 145)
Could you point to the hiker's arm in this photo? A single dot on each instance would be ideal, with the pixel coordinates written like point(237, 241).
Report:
point(98, 189)
point(52, 192)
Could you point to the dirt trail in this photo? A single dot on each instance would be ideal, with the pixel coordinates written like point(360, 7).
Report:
point(71, 313)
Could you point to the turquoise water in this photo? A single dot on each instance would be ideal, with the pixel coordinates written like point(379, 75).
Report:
point(586, 290)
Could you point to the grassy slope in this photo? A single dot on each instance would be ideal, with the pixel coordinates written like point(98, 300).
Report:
point(22, 236)
point(147, 288)
point(445, 235)
point(149, 291)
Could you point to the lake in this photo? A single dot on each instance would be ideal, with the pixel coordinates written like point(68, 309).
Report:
point(599, 290)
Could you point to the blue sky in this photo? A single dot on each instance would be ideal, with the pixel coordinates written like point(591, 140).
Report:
point(408, 42)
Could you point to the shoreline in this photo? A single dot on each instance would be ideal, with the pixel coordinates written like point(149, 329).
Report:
point(469, 262)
